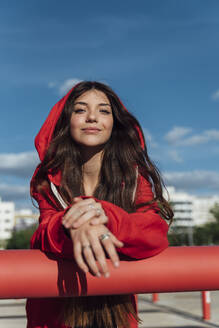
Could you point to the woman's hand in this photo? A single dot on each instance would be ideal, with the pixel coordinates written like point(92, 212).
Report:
point(89, 244)
point(82, 211)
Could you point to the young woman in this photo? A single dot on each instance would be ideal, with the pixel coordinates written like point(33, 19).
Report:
point(94, 191)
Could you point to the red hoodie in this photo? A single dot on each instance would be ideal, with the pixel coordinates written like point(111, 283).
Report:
point(144, 233)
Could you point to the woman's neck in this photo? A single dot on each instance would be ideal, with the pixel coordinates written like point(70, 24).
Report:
point(91, 170)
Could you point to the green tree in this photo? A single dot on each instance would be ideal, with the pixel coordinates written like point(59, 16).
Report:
point(178, 238)
point(21, 239)
point(208, 234)
point(215, 212)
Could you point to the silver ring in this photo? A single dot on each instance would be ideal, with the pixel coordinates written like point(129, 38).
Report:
point(91, 206)
point(104, 236)
point(86, 246)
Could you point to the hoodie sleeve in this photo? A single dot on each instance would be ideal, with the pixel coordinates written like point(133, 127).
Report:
point(144, 233)
point(50, 235)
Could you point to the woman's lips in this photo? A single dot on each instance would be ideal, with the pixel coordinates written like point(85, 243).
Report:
point(91, 130)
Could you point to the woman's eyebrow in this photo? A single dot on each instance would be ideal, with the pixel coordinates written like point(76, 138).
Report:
point(80, 103)
point(104, 104)
point(84, 103)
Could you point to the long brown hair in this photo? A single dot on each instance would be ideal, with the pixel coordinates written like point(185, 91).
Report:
point(122, 153)
point(125, 151)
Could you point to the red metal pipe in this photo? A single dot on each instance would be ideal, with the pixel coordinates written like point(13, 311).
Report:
point(31, 273)
point(155, 297)
point(206, 305)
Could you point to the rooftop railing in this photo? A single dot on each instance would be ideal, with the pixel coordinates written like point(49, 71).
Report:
point(31, 273)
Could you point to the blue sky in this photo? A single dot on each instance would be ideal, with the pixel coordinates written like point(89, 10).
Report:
point(161, 57)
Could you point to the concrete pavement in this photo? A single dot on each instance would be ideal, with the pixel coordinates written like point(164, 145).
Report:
point(175, 310)
point(12, 314)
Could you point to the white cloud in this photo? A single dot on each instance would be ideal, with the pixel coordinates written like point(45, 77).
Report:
point(215, 95)
point(14, 192)
point(18, 164)
point(149, 138)
point(176, 137)
point(174, 155)
point(212, 134)
point(177, 133)
point(52, 84)
point(194, 140)
point(204, 137)
point(65, 86)
point(193, 180)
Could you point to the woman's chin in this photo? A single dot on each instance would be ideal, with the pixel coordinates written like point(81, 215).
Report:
point(91, 146)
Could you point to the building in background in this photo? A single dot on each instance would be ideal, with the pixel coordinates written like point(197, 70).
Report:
point(7, 219)
point(11, 220)
point(201, 209)
point(191, 210)
point(25, 218)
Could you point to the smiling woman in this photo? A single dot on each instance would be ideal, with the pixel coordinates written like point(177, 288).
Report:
point(94, 190)
point(92, 119)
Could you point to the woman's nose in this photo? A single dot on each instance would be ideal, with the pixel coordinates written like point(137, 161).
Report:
point(91, 116)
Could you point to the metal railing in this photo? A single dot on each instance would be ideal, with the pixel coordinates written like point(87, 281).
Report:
point(31, 273)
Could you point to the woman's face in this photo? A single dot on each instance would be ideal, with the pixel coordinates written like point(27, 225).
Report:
point(92, 119)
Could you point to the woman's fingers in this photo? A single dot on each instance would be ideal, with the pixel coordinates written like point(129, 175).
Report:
point(116, 241)
point(77, 199)
point(98, 220)
point(111, 251)
point(92, 216)
point(91, 211)
point(78, 257)
point(99, 254)
point(76, 221)
point(83, 253)
point(78, 209)
point(91, 244)
point(109, 241)
point(84, 211)
point(88, 251)
point(90, 260)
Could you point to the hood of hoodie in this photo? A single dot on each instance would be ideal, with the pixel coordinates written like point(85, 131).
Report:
point(44, 136)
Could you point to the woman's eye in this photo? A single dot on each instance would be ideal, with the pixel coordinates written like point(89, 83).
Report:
point(79, 110)
point(105, 111)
